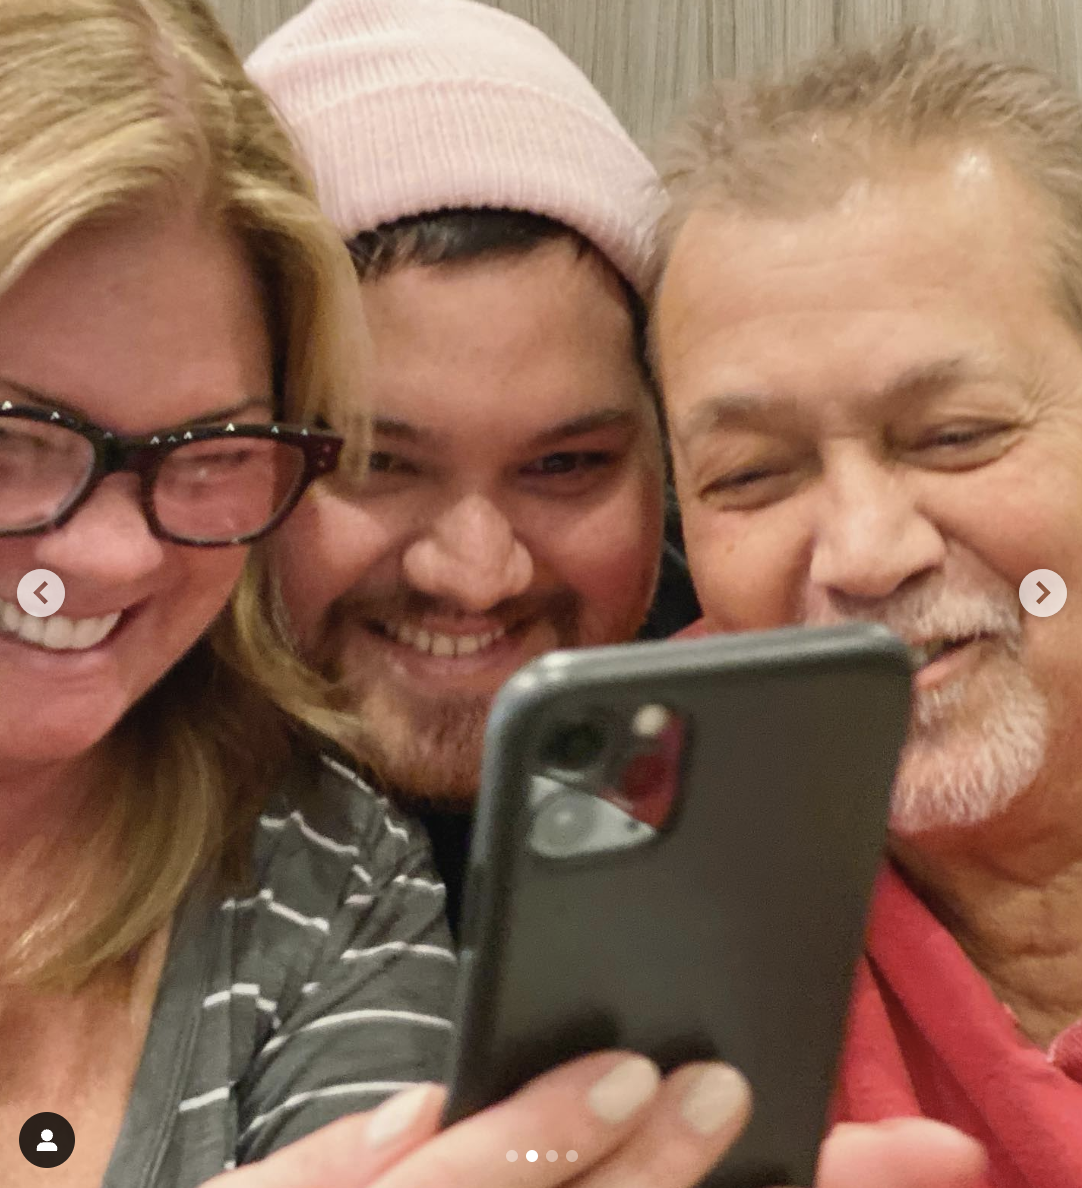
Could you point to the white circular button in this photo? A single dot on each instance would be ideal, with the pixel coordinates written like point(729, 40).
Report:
point(40, 593)
point(1042, 592)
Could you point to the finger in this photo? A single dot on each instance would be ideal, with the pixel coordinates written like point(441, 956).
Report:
point(697, 1116)
point(585, 1109)
point(902, 1153)
point(349, 1153)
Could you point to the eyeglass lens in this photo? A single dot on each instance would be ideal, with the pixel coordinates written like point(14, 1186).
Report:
point(214, 490)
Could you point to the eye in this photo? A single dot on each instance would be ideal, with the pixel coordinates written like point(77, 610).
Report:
point(961, 446)
point(958, 437)
point(749, 488)
point(569, 462)
point(384, 462)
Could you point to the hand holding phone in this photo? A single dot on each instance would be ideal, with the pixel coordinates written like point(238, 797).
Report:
point(400, 1145)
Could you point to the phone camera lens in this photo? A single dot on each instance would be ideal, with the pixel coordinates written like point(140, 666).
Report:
point(575, 747)
point(565, 824)
point(568, 823)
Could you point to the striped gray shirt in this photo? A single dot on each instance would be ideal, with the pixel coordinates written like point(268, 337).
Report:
point(320, 993)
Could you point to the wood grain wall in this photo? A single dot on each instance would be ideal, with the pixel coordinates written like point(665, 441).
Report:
point(648, 56)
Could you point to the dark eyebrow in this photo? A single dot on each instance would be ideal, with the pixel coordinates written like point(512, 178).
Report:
point(924, 379)
point(400, 430)
point(603, 418)
point(35, 396)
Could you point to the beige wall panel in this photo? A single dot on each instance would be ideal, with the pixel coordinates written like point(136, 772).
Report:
point(647, 57)
point(1046, 32)
point(249, 21)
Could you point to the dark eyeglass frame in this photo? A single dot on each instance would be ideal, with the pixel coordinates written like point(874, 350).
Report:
point(145, 456)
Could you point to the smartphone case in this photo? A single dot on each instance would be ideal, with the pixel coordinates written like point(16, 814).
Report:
point(732, 934)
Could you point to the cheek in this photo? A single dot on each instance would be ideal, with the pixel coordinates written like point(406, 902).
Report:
point(210, 576)
point(610, 555)
point(16, 559)
point(748, 569)
point(325, 549)
point(1037, 523)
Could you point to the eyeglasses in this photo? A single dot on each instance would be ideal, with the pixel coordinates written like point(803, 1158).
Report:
point(205, 485)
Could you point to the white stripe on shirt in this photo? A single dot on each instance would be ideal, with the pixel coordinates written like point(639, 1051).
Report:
point(320, 839)
point(400, 947)
point(279, 909)
point(196, 1103)
point(366, 1015)
point(418, 884)
point(346, 774)
point(243, 990)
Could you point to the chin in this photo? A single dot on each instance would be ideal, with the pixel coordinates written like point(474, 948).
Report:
point(969, 758)
point(428, 775)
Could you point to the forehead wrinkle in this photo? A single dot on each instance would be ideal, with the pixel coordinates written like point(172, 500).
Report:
point(923, 380)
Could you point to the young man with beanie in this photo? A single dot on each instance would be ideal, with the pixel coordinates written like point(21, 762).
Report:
point(500, 218)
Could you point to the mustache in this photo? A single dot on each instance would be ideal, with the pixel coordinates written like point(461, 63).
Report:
point(924, 614)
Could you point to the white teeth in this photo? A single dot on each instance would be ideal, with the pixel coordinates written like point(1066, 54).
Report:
point(57, 632)
point(437, 644)
point(31, 629)
point(443, 645)
point(9, 616)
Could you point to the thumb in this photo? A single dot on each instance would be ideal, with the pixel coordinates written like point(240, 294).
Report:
point(901, 1153)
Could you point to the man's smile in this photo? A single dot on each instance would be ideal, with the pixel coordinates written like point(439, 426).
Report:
point(444, 644)
point(940, 658)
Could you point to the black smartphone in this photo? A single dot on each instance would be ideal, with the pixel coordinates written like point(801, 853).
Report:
point(674, 849)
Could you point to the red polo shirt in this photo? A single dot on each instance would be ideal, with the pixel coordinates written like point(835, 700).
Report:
point(928, 1037)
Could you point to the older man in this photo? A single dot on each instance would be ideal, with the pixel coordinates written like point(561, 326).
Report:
point(869, 336)
point(500, 219)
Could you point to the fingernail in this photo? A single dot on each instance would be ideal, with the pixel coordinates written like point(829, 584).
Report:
point(624, 1089)
point(718, 1097)
point(396, 1116)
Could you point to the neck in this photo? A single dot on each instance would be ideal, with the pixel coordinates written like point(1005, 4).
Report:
point(1010, 892)
point(47, 819)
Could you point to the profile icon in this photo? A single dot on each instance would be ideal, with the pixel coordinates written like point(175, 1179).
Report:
point(47, 1140)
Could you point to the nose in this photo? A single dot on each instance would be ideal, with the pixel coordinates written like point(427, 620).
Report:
point(871, 536)
point(107, 542)
point(470, 556)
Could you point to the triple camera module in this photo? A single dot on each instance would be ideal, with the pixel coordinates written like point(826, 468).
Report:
point(605, 782)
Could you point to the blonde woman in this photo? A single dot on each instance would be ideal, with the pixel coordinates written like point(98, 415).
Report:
point(213, 938)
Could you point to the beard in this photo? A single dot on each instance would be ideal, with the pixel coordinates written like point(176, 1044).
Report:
point(426, 746)
point(975, 745)
point(426, 753)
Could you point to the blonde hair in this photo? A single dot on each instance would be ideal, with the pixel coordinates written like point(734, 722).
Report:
point(106, 105)
point(789, 148)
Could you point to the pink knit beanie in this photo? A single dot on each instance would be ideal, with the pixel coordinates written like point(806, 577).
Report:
point(403, 107)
